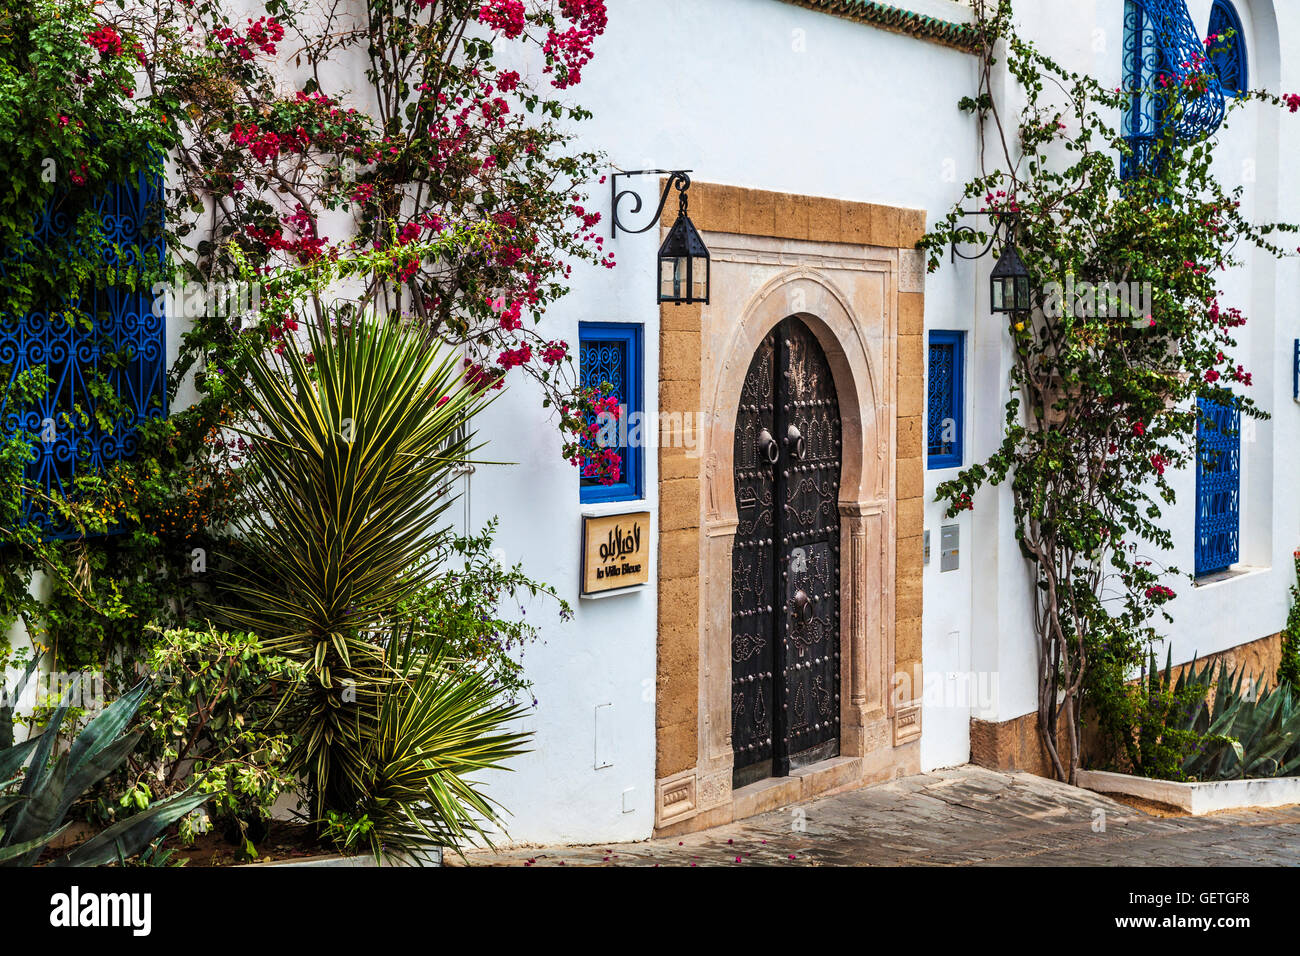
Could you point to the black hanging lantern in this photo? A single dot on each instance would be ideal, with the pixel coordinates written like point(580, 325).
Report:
point(1009, 283)
point(683, 258)
point(683, 262)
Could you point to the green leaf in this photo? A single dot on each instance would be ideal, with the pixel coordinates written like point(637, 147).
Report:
point(128, 837)
point(105, 728)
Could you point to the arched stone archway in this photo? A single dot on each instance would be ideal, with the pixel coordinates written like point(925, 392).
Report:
point(851, 296)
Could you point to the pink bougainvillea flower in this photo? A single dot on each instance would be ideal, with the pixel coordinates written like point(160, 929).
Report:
point(106, 40)
point(505, 16)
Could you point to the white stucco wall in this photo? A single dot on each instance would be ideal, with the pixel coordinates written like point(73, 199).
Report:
point(761, 94)
point(750, 93)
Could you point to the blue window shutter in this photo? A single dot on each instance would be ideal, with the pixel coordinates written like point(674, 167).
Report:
point(612, 352)
point(946, 416)
point(1229, 56)
point(122, 339)
point(1218, 486)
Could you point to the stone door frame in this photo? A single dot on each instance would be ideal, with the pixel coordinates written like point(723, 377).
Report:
point(851, 279)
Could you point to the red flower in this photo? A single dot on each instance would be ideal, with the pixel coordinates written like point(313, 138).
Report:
point(107, 41)
point(479, 378)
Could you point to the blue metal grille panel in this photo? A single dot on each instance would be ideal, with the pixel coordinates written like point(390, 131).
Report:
point(1218, 487)
point(945, 425)
point(1160, 40)
point(610, 353)
point(112, 331)
point(1142, 62)
point(1295, 372)
point(1229, 56)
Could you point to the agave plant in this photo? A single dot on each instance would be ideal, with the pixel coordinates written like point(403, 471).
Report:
point(1245, 728)
point(353, 438)
point(34, 806)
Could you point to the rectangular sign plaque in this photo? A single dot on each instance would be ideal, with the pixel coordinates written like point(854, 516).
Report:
point(615, 552)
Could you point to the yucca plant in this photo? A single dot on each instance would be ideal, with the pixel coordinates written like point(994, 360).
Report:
point(353, 437)
point(440, 722)
point(34, 805)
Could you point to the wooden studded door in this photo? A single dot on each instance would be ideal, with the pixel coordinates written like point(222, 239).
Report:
point(785, 601)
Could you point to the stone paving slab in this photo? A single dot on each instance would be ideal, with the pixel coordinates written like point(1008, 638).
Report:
point(964, 817)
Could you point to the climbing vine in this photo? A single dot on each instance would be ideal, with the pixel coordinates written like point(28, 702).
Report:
point(1103, 399)
point(288, 158)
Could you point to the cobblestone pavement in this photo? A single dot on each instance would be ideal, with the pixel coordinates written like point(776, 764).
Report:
point(963, 817)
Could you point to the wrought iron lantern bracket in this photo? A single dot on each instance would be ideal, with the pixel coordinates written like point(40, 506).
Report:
point(1009, 291)
point(679, 178)
point(1004, 223)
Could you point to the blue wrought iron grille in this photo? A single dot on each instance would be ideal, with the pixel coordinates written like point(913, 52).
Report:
point(1229, 56)
point(945, 424)
point(610, 353)
point(110, 335)
point(1141, 65)
point(1161, 48)
point(1218, 486)
point(1295, 372)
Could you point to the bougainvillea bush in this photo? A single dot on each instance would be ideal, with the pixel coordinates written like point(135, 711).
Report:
point(396, 123)
point(414, 160)
point(1103, 404)
point(277, 157)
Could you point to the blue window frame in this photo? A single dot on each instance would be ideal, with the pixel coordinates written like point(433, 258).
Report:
point(945, 424)
point(1218, 486)
point(1229, 56)
point(111, 334)
point(611, 353)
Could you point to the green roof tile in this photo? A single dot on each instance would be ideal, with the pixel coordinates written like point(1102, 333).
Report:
point(961, 36)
